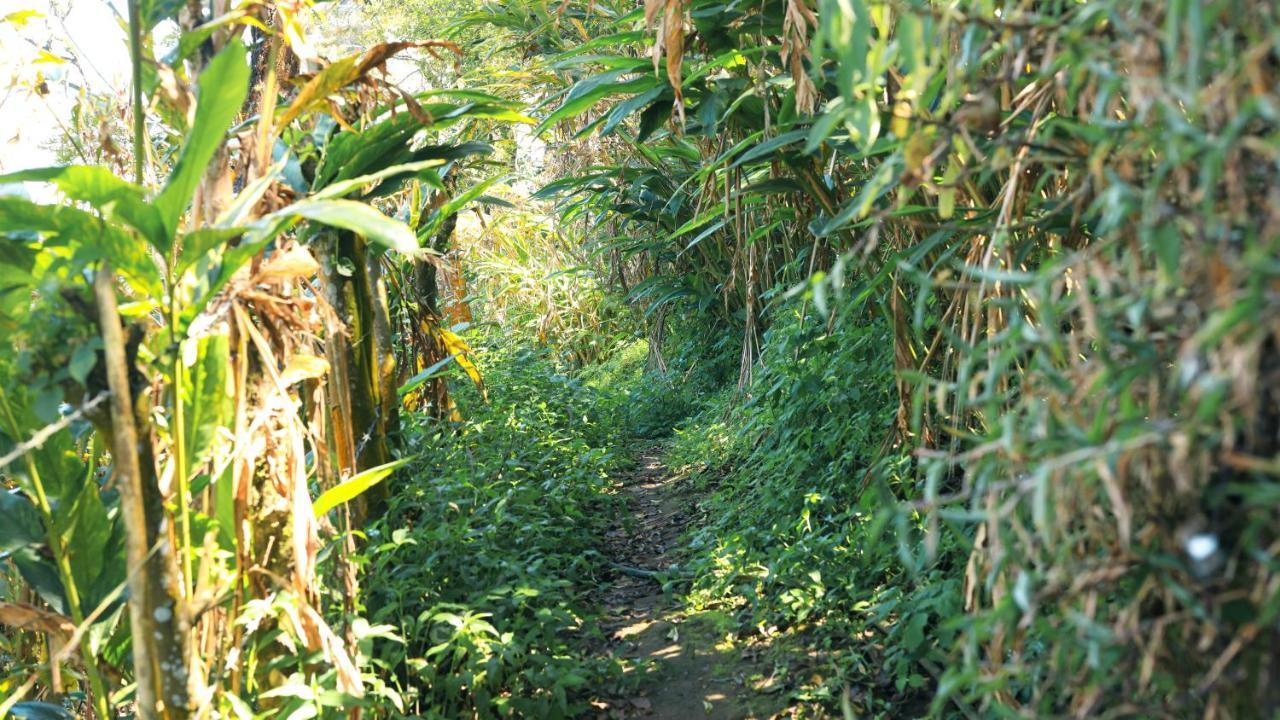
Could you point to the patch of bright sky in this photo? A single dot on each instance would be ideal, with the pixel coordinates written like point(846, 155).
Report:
point(69, 45)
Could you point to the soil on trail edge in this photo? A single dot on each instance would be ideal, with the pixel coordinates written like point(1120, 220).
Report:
point(689, 674)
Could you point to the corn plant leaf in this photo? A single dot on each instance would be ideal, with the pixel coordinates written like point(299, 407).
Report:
point(358, 218)
point(209, 405)
point(119, 201)
point(356, 485)
point(90, 237)
point(223, 86)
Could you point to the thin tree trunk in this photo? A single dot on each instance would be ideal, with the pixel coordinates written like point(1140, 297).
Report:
point(359, 423)
point(156, 615)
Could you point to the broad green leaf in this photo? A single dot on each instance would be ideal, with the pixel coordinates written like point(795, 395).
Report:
point(454, 205)
point(631, 105)
point(241, 207)
point(20, 524)
point(430, 373)
point(42, 576)
point(358, 218)
point(89, 237)
point(154, 12)
point(652, 118)
point(621, 38)
point(863, 121)
point(770, 146)
point(824, 125)
point(208, 404)
point(847, 31)
point(384, 144)
point(39, 711)
point(83, 360)
point(200, 243)
point(398, 172)
point(356, 485)
point(85, 528)
point(256, 238)
point(223, 86)
point(189, 41)
point(119, 201)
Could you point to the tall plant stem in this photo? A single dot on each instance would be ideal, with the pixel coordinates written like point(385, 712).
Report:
point(135, 59)
point(158, 658)
point(180, 443)
point(54, 534)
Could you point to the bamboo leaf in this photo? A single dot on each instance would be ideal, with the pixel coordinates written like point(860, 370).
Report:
point(430, 373)
point(586, 93)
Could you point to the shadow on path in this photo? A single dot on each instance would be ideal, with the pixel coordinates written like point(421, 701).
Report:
point(689, 671)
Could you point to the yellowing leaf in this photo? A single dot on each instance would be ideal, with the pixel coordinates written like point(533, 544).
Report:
point(459, 347)
point(303, 367)
point(47, 58)
point(20, 18)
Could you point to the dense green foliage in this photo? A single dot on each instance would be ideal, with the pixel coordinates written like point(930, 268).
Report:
point(960, 314)
point(1062, 215)
point(487, 555)
point(798, 543)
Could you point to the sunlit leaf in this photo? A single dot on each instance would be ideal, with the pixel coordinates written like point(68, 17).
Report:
point(356, 485)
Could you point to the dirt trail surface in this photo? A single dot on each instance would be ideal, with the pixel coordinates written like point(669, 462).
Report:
point(689, 674)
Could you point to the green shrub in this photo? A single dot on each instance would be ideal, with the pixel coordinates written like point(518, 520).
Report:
point(489, 548)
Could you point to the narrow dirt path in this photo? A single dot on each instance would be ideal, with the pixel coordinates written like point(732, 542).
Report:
point(688, 673)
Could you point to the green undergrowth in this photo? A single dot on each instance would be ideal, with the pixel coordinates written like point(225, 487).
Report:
point(650, 403)
point(490, 547)
point(802, 545)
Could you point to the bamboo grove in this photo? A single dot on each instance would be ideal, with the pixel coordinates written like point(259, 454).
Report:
point(1065, 213)
point(1054, 225)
